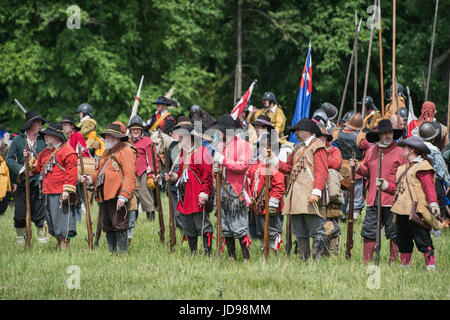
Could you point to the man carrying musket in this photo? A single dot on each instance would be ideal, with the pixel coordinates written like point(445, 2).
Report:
point(56, 166)
point(257, 177)
point(15, 162)
point(307, 167)
point(115, 183)
point(384, 138)
point(194, 181)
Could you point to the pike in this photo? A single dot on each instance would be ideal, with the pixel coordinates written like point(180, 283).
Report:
point(369, 52)
point(378, 235)
point(162, 229)
point(88, 210)
point(431, 51)
point(267, 198)
point(219, 213)
point(349, 244)
point(381, 59)
point(349, 70)
point(136, 102)
point(355, 73)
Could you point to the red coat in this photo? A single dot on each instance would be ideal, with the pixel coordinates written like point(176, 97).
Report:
point(200, 163)
point(392, 159)
point(334, 157)
point(143, 146)
point(57, 180)
point(77, 138)
point(257, 177)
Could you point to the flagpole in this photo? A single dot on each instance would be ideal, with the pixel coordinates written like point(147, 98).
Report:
point(431, 51)
point(368, 63)
point(348, 72)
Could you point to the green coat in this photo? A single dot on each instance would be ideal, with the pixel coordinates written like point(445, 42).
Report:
point(15, 160)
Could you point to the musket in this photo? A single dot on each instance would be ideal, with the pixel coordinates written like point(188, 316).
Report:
point(173, 238)
point(378, 235)
point(162, 229)
point(431, 50)
point(136, 102)
point(349, 70)
point(369, 52)
point(267, 198)
point(219, 213)
point(98, 231)
point(381, 59)
point(288, 231)
point(20, 106)
point(88, 209)
point(349, 244)
point(28, 233)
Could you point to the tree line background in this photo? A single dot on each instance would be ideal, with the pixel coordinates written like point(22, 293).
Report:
point(191, 45)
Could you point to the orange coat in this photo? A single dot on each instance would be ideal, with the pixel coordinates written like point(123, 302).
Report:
point(120, 180)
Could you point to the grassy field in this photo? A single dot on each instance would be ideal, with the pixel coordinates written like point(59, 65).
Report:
point(149, 271)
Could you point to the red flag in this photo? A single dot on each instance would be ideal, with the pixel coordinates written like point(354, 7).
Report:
point(240, 106)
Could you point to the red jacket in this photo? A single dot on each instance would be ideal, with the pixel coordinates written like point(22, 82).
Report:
point(58, 180)
point(334, 157)
point(77, 138)
point(200, 163)
point(256, 175)
point(392, 159)
point(143, 146)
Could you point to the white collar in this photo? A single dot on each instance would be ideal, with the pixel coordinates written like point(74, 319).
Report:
point(273, 109)
point(418, 159)
point(161, 113)
point(308, 141)
point(84, 118)
point(431, 146)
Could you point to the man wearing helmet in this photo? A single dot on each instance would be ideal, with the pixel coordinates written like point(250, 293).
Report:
point(88, 127)
point(392, 106)
point(271, 109)
point(373, 116)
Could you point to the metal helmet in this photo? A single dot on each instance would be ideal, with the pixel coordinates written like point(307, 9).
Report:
point(399, 90)
point(427, 131)
point(320, 114)
point(136, 120)
point(348, 115)
point(86, 108)
point(403, 113)
point(269, 96)
point(330, 110)
point(195, 108)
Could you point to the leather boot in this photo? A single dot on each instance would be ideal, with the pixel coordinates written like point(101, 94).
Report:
point(304, 250)
point(122, 240)
point(318, 249)
point(20, 235)
point(112, 241)
point(429, 259)
point(368, 249)
point(393, 251)
point(333, 245)
point(41, 235)
point(231, 247)
point(245, 242)
point(193, 244)
point(207, 243)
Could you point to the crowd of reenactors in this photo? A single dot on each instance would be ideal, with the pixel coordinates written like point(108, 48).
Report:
point(309, 184)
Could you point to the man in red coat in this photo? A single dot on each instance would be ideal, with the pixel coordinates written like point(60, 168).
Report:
point(384, 138)
point(75, 137)
point(257, 178)
point(195, 184)
point(57, 167)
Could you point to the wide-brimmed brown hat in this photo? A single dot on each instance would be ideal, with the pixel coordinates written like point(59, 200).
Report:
point(116, 129)
point(355, 122)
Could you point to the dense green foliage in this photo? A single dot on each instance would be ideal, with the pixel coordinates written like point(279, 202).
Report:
point(191, 45)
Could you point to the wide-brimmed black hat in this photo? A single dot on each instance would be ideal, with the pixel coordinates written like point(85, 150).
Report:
point(163, 100)
point(70, 119)
point(416, 143)
point(31, 116)
point(116, 129)
point(54, 129)
point(225, 122)
point(384, 125)
point(263, 121)
point(307, 125)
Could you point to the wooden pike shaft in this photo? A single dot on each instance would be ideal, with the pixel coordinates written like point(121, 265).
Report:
point(162, 229)
point(448, 104)
point(266, 209)
point(366, 79)
point(355, 76)
point(219, 214)
point(393, 45)
point(28, 233)
point(431, 51)
point(348, 72)
point(381, 59)
point(88, 209)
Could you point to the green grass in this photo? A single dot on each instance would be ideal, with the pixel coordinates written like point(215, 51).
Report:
point(149, 271)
